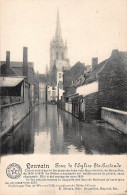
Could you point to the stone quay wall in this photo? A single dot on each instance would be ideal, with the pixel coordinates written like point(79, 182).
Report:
point(11, 115)
point(116, 118)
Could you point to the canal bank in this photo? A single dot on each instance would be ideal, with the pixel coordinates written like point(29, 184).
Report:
point(16, 107)
point(50, 130)
point(79, 108)
point(18, 91)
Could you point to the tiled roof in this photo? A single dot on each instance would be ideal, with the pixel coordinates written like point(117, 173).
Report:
point(91, 76)
point(16, 64)
point(7, 70)
point(123, 55)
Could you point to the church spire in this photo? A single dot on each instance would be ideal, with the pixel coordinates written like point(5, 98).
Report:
point(58, 35)
point(46, 71)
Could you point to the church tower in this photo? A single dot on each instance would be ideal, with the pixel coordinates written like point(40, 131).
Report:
point(58, 49)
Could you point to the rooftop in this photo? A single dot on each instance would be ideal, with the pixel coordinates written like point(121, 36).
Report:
point(41, 78)
point(91, 75)
point(10, 81)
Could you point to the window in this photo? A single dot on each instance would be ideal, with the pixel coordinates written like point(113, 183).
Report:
point(60, 84)
point(62, 55)
point(60, 75)
point(53, 88)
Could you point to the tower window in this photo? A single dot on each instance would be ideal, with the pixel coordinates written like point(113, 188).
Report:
point(57, 55)
point(62, 55)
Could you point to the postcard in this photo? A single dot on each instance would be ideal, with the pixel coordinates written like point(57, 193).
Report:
point(63, 97)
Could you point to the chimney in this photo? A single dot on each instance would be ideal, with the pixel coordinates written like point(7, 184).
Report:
point(8, 59)
point(115, 53)
point(25, 62)
point(94, 62)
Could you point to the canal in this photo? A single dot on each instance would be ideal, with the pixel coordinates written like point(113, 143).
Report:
point(49, 130)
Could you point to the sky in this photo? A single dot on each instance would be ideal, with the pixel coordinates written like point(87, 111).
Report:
point(92, 28)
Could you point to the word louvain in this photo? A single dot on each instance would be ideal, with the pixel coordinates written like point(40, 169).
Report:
point(31, 166)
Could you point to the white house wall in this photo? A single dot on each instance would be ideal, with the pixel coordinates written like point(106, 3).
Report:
point(61, 91)
point(87, 89)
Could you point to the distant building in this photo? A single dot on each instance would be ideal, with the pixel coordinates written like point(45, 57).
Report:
point(42, 93)
point(36, 89)
point(52, 93)
point(60, 90)
point(42, 88)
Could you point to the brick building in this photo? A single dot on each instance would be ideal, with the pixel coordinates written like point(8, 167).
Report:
point(105, 85)
point(15, 97)
point(112, 81)
point(25, 69)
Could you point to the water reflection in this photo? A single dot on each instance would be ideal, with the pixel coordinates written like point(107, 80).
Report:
point(48, 130)
point(42, 143)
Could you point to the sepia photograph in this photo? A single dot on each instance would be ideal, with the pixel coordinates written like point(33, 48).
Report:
point(63, 96)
